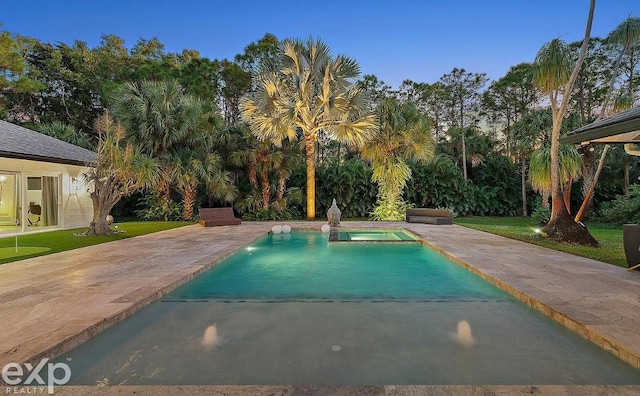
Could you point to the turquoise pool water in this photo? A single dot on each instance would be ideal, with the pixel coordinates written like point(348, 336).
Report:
point(294, 309)
point(373, 236)
point(303, 265)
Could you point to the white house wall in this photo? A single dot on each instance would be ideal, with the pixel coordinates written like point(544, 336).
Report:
point(75, 207)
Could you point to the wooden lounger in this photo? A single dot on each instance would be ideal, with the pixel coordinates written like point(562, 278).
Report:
point(211, 217)
point(429, 216)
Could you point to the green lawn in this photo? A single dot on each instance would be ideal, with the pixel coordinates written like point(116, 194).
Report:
point(611, 249)
point(58, 241)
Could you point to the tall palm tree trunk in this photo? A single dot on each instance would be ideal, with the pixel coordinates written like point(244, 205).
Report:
point(523, 185)
point(282, 187)
point(310, 147)
point(561, 226)
point(164, 188)
point(253, 174)
point(627, 184)
point(264, 186)
point(189, 201)
point(464, 157)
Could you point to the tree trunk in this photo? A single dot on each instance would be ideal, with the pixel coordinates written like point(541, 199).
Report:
point(253, 175)
point(566, 195)
point(264, 184)
point(545, 199)
point(612, 80)
point(310, 147)
point(523, 184)
point(103, 201)
point(561, 226)
point(189, 201)
point(164, 187)
point(464, 158)
point(587, 196)
point(564, 229)
point(626, 176)
point(587, 171)
point(282, 187)
point(508, 134)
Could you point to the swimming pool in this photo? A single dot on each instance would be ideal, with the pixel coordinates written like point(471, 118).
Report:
point(342, 235)
point(292, 308)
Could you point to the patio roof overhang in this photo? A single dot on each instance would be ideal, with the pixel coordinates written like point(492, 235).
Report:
point(622, 128)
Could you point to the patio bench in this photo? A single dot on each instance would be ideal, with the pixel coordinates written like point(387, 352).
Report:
point(211, 217)
point(429, 216)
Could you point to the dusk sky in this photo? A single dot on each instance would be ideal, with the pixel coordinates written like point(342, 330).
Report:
point(395, 40)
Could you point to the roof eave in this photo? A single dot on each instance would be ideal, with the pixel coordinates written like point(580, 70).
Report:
point(630, 128)
point(30, 157)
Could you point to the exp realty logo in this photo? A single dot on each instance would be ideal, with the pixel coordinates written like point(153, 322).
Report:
point(27, 379)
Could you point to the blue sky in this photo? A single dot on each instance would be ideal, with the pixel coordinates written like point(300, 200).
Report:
point(393, 39)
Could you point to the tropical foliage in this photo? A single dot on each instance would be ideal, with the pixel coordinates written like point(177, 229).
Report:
point(119, 170)
point(308, 94)
point(403, 134)
point(286, 119)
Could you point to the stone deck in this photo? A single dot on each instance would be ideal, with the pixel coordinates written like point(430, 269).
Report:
point(52, 303)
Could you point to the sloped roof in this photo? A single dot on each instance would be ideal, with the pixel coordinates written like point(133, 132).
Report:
point(618, 129)
point(23, 143)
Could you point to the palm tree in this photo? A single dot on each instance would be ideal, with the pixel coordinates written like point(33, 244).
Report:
point(552, 76)
point(404, 134)
point(190, 169)
point(157, 114)
point(160, 119)
point(526, 137)
point(570, 166)
point(307, 92)
point(625, 35)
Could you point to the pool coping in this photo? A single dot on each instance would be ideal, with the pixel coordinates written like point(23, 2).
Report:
point(24, 280)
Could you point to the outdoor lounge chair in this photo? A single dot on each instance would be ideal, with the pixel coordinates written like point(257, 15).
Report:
point(429, 216)
point(210, 217)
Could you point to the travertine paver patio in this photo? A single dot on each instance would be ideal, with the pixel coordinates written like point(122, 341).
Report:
point(52, 303)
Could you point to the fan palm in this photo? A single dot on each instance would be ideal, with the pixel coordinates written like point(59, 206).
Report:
point(160, 119)
point(403, 135)
point(190, 170)
point(307, 92)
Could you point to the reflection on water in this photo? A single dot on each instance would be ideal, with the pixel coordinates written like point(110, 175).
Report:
point(210, 337)
point(463, 334)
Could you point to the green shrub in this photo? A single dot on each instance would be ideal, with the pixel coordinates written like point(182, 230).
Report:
point(272, 214)
point(390, 210)
point(541, 215)
point(624, 209)
point(497, 183)
point(349, 182)
point(439, 184)
point(151, 209)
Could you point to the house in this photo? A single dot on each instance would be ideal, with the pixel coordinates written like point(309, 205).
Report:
point(622, 128)
point(41, 183)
